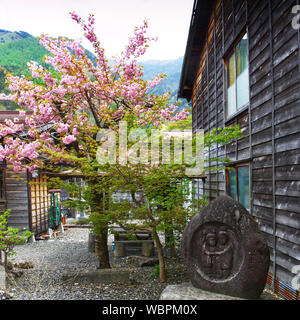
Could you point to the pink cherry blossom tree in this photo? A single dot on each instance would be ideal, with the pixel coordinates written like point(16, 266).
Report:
point(64, 106)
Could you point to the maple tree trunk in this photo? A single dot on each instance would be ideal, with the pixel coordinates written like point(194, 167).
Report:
point(103, 253)
point(161, 258)
point(100, 229)
point(170, 241)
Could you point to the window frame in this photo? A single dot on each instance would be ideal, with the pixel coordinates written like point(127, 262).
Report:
point(227, 186)
point(226, 58)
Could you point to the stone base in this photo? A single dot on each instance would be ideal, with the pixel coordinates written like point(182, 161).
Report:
point(124, 248)
point(101, 276)
point(186, 291)
point(139, 261)
point(2, 278)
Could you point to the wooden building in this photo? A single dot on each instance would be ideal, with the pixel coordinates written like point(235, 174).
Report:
point(26, 194)
point(29, 200)
point(242, 66)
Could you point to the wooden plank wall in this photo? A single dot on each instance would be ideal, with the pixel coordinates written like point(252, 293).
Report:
point(17, 198)
point(208, 110)
point(270, 123)
point(29, 201)
point(275, 113)
point(40, 204)
point(2, 189)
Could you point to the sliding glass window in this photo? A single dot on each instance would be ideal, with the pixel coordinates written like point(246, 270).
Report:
point(238, 77)
point(238, 185)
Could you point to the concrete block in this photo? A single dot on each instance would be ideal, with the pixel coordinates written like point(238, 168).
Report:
point(2, 278)
point(120, 250)
point(147, 249)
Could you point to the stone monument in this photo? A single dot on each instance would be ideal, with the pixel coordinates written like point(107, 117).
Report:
point(225, 252)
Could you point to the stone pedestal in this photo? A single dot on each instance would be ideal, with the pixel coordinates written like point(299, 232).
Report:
point(140, 247)
point(2, 278)
point(120, 250)
point(147, 249)
point(186, 291)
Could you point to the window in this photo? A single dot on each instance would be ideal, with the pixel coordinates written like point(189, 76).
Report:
point(238, 77)
point(238, 185)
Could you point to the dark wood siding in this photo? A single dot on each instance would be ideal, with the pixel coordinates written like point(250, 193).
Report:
point(2, 188)
point(28, 199)
point(17, 199)
point(208, 111)
point(271, 122)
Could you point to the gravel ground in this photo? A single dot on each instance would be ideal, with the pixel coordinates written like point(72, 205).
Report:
point(69, 252)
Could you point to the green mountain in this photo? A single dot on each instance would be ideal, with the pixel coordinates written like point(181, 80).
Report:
point(15, 54)
point(173, 70)
point(17, 48)
point(6, 36)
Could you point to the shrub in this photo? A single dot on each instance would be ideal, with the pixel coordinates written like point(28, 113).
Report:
point(10, 237)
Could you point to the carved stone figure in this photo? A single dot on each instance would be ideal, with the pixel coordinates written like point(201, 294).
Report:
point(225, 252)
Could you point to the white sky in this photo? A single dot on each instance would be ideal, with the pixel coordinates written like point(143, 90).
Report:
point(115, 20)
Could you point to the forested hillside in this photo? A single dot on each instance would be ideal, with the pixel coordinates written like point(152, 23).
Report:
point(6, 36)
point(17, 48)
point(173, 70)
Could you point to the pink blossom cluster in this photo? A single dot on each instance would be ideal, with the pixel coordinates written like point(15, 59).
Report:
point(91, 36)
point(28, 150)
point(180, 115)
point(61, 106)
point(155, 82)
point(138, 44)
point(171, 114)
point(61, 56)
point(76, 47)
point(75, 17)
point(9, 128)
point(62, 127)
point(68, 139)
point(35, 69)
point(15, 151)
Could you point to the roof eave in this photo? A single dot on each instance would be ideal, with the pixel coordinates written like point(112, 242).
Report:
point(196, 39)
